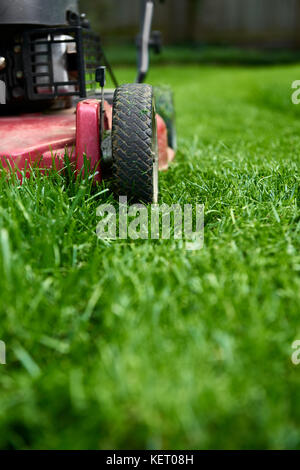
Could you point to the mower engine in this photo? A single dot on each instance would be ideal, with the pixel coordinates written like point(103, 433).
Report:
point(47, 52)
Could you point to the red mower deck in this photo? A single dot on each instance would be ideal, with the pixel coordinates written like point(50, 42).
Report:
point(42, 139)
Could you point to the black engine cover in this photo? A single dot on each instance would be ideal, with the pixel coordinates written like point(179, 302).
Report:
point(36, 12)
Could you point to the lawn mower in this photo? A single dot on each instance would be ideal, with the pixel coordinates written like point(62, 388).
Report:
point(54, 101)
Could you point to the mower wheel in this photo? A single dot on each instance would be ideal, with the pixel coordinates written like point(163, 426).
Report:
point(134, 143)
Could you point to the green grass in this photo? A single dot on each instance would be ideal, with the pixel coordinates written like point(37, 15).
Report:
point(146, 345)
point(126, 54)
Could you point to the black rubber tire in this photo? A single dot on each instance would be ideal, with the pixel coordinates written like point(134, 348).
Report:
point(164, 103)
point(134, 143)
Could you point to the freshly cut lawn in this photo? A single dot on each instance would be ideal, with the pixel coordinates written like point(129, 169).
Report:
point(144, 344)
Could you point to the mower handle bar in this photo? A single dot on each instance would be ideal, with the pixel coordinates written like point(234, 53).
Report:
point(144, 39)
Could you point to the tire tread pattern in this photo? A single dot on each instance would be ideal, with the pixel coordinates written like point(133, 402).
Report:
point(132, 142)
